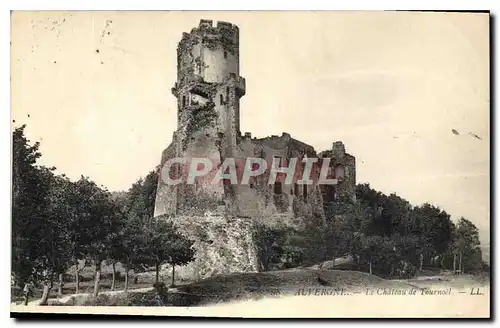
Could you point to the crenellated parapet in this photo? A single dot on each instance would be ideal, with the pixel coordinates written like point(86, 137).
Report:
point(221, 34)
point(210, 52)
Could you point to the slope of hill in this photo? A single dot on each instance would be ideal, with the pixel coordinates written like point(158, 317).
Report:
point(286, 282)
point(247, 286)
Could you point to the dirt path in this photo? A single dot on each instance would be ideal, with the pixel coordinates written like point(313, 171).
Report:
point(66, 298)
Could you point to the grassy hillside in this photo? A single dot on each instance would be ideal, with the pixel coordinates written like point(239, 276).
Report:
point(243, 286)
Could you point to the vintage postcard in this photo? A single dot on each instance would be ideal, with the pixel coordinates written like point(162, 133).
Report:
point(251, 164)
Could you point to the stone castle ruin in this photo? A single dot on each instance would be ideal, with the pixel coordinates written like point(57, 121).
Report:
point(221, 218)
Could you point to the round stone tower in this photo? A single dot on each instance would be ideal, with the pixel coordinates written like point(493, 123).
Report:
point(208, 86)
point(208, 92)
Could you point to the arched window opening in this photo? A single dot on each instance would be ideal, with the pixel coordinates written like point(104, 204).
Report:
point(221, 99)
point(278, 188)
point(339, 172)
point(183, 101)
point(330, 190)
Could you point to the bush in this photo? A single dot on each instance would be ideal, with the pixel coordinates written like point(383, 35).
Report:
point(160, 287)
point(292, 257)
point(404, 270)
point(270, 242)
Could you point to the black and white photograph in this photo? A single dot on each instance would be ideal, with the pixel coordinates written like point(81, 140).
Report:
point(269, 164)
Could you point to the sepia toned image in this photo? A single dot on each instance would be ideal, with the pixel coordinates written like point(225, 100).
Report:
point(251, 164)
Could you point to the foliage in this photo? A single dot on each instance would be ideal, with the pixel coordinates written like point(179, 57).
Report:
point(145, 240)
point(56, 221)
point(272, 246)
point(39, 226)
point(466, 244)
point(387, 236)
point(28, 193)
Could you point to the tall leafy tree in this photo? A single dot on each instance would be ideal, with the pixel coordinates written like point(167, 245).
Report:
point(28, 193)
point(115, 239)
point(39, 225)
point(434, 229)
point(93, 219)
point(466, 245)
point(157, 241)
point(179, 251)
point(132, 237)
point(54, 236)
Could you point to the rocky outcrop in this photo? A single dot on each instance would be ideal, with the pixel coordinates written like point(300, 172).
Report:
point(222, 245)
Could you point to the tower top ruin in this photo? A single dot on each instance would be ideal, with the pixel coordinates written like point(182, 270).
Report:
point(213, 36)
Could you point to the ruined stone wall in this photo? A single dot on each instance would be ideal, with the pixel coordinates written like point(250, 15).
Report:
point(166, 195)
point(271, 204)
point(343, 166)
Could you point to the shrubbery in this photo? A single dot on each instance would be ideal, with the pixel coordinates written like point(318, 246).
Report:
point(383, 235)
point(57, 222)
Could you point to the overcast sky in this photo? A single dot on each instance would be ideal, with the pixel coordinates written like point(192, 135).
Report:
point(392, 86)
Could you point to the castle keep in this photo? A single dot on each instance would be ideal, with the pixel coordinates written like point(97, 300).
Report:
point(221, 217)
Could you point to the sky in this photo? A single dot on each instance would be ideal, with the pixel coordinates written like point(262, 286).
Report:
point(407, 93)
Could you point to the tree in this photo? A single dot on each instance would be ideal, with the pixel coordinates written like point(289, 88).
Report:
point(114, 240)
point(142, 196)
point(379, 253)
point(160, 235)
point(347, 223)
point(179, 252)
point(157, 241)
point(54, 237)
point(138, 209)
point(434, 228)
point(130, 246)
point(115, 248)
point(39, 229)
point(78, 226)
point(162, 243)
point(293, 253)
point(52, 255)
point(407, 254)
point(386, 212)
point(103, 242)
point(28, 193)
point(466, 245)
point(93, 224)
point(270, 243)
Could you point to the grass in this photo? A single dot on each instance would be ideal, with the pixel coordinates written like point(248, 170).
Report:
point(238, 286)
point(254, 286)
point(70, 288)
point(120, 299)
point(145, 279)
